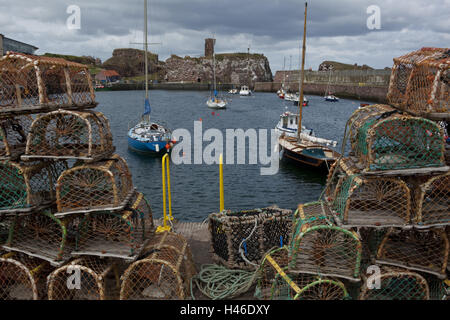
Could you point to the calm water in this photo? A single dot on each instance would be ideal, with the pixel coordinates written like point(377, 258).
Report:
point(195, 188)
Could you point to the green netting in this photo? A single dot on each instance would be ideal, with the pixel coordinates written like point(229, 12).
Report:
point(340, 201)
point(394, 141)
point(13, 189)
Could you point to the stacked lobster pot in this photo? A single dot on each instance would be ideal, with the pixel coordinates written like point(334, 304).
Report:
point(67, 201)
point(393, 188)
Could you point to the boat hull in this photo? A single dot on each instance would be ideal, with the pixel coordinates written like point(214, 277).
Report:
point(308, 161)
point(307, 154)
point(155, 148)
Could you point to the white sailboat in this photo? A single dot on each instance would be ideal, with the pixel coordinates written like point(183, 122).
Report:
point(214, 101)
point(245, 90)
point(328, 96)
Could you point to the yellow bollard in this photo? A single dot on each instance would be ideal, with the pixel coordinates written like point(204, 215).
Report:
point(222, 207)
point(166, 219)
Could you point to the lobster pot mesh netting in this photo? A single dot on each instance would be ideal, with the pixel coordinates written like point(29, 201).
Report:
point(251, 233)
point(431, 200)
point(13, 136)
point(164, 273)
point(26, 186)
point(88, 278)
point(320, 247)
point(389, 140)
point(274, 283)
point(359, 201)
point(395, 284)
point(42, 235)
point(120, 234)
point(32, 84)
point(420, 81)
point(100, 186)
point(425, 251)
point(22, 277)
point(70, 135)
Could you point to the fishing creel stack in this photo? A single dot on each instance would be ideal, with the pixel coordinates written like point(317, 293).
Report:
point(64, 194)
point(393, 187)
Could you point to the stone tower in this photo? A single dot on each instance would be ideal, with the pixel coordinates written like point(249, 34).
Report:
point(209, 47)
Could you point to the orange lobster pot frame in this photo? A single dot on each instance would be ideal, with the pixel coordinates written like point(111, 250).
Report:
point(41, 235)
point(164, 273)
point(118, 235)
point(33, 84)
point(64, 134)
point(420, 82)
point(396, 284)
point(13, 136)
point(22, 277)
point(28, 186)
point(358, 201)
point(87, 278)
point(384, 139)
point(425, 251)
point(100, 186)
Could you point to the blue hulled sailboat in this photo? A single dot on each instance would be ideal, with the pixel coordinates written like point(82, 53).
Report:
point(147, 136)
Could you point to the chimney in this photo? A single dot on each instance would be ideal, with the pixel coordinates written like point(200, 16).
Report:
point(209, 47)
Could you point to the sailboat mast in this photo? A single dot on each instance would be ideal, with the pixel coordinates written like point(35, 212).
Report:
point(300, 101)
point(248, 67)
point(146, 49)
point(214, 68)
point(284, 71)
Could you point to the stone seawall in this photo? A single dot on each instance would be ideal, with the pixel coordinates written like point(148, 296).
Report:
point(368, 92)
point(170, 86)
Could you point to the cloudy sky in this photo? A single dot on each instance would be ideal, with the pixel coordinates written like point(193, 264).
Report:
point(337, 30)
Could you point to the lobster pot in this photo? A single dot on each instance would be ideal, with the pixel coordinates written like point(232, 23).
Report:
point(22, 277)
point(432, 201)
point(358, 201)
point(250, 233)
point(121, 235)
point(41, 235)
point(359, 117)
point(320, 247)
point(32, 84)
point(164, 273)
point(425, 251)
point(275, 284)
point(100, 186)
point(391, 140)
point(88, 278)
point(439, 289)
point(5, 225)
point(371, 239)
point(28, 186)
point(13, 136)
point(420, 82)
point(395, 284)
point(65, 134)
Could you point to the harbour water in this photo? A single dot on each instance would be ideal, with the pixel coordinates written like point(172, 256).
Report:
point(195, 188)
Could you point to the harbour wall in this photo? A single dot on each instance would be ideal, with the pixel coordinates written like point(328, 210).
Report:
point(360, 91)
point(370, 85)
point(170, 86)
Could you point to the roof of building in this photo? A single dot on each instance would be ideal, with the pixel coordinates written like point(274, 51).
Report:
point(34, 47)
point(110, 73)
